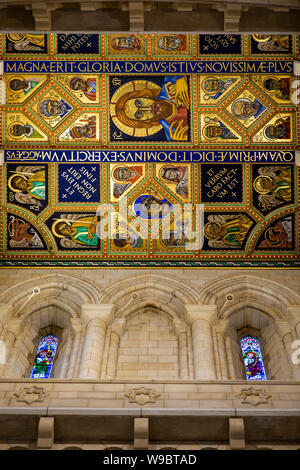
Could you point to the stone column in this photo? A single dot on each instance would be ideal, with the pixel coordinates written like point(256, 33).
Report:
point(77, 331)
point(97, 317)
point(228, 349)
point(5, 316)
point(200, 318)
point(221, 329)
point(117, 328)
point(12, 337)
point(7, 337)
point(180, 329)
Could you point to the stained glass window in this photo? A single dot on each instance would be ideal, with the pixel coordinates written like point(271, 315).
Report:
point(252, 358)
point(44, 357)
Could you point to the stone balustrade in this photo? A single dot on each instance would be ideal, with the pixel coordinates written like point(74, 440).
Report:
point(231, 414)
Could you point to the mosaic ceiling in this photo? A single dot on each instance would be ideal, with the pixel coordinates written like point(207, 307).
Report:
point(136, 150)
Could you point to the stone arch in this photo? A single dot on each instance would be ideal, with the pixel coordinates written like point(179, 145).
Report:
point(159, 291)
point(158, 307)
point(258, 318)
point(68, 289)
point(272, 297)
point(246, 303)
point(57, 304)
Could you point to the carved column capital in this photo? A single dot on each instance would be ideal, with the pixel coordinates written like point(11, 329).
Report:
point(117, 326)
point(76, 326)
point(6, 312)
point(102, 312)
point(221, 326)
point(179, 327)
point(201, 312)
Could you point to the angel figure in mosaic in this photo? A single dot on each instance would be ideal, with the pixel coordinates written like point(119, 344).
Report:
point(272, 43)
point(22, 234)
point(227, 230)
point(27, 42)
point(76, 230)
point(274, 186)
point(29, 182)
point(279, 235)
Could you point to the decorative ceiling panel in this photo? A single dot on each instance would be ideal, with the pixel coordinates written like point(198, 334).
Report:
point(136, 150)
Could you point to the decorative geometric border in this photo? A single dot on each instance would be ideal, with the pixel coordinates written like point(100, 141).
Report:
point(151, 264)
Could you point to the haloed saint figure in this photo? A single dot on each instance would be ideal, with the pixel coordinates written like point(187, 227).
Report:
point(142, 108)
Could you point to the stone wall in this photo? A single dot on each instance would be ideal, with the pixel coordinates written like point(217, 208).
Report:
point(148, 348)
point(119, 324)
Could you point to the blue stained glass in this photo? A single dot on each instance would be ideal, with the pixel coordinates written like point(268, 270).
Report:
point(252, 358)
point(44, 357)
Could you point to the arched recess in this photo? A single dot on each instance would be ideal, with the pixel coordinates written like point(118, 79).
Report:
point(68, 288)
point(57, 305)
point(248, 305)
point(49, 318)
point(246, 287)
point(150, 288)
point(149, 337)
point(148, 346)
